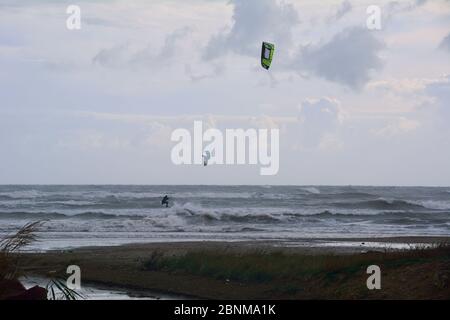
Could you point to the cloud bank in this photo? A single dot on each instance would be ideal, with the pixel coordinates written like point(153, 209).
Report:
point(348, 58)
point(253, 22)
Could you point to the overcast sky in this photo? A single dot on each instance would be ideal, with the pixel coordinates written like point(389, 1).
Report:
point(98, 105)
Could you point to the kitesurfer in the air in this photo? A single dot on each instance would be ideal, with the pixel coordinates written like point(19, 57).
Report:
point(206, 156)
point(165, 201)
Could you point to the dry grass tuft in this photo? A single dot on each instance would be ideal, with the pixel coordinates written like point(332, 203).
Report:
point(11, 245)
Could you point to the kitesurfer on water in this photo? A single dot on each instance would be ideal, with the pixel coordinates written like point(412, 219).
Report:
point(165, 201)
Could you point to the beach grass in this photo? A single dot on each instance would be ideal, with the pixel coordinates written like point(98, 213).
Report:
point(263, 267)
point(220, 270)
point(11, 269)
point(10, 245)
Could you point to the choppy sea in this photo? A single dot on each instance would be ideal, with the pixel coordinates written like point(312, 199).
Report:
point(110, 215)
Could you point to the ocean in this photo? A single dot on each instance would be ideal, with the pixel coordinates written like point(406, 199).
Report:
point(90, 215)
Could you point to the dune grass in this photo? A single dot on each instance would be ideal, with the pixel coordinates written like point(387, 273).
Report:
point(261, 267)
point(232, 271)
point(10, 245)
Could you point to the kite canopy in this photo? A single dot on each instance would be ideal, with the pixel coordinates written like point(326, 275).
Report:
point(267, 54)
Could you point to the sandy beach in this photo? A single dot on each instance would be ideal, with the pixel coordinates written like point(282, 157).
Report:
point(262, 270)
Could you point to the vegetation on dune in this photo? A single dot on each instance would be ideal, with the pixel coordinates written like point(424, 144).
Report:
point(266, 266)
point(236, 272)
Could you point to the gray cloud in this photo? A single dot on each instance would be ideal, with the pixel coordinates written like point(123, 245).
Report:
point(166, 53)
point(344, 8)
point(398, 7)
point(113, 57)
point(217, 70)
point(254, 21)
point(445, 44)
point(440, 91)
point(348, 58)
point(27, 3)
point(123, 55)
point(317, 117)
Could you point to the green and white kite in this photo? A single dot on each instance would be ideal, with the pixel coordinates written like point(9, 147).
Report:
point(267, 54)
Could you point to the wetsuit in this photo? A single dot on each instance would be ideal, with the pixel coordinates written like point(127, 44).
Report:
point(165, 201)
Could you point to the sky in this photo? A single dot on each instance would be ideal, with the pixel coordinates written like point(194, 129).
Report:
point(98, 105)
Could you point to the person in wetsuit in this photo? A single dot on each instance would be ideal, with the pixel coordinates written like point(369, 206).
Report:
point(165, 201)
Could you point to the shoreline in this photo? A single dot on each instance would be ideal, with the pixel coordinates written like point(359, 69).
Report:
point(341, 244)
point(338, 245)
point(256, 270)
